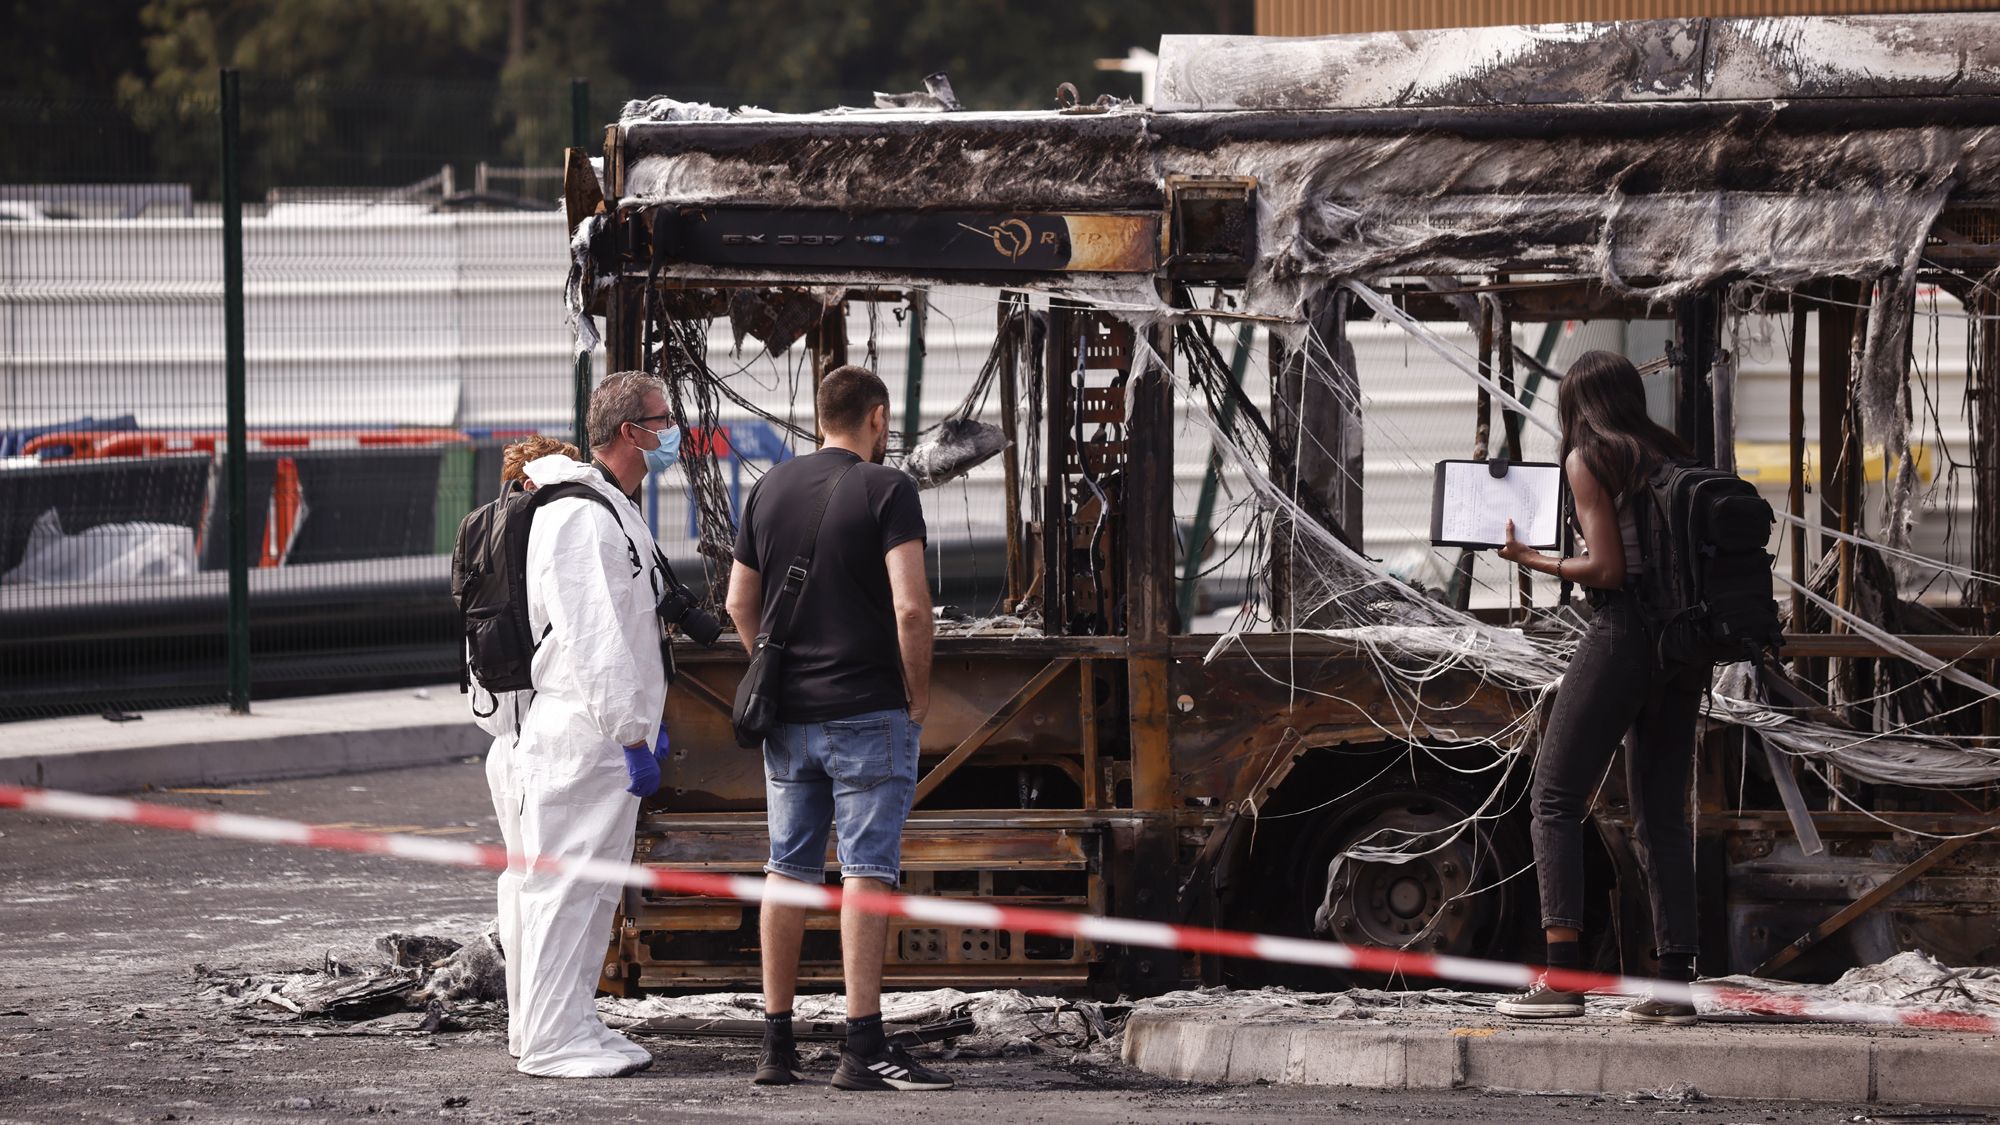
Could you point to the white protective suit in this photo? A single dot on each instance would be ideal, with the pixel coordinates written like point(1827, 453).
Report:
point(600, 686)
point(504, 724)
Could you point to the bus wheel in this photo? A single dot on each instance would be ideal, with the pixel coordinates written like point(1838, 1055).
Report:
point(1404, 865)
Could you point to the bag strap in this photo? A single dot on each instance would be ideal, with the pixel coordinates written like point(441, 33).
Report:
point(1565, 542)
point(795, 578)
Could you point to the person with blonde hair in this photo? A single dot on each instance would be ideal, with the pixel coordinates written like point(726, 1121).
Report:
point(514, 459)
point(503, 722)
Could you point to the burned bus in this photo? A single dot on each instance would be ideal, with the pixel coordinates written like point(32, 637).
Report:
point(1792, 218)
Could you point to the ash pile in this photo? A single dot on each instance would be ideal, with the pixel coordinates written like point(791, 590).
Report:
point(994, 1023)
point(428, 984)
point(1911, 981)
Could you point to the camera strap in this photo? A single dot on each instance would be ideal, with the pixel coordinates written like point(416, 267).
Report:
point(795, 578)
point(666, 634)
point(667, 569)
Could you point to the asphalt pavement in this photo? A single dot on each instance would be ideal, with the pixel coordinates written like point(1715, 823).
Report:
point(101, 928)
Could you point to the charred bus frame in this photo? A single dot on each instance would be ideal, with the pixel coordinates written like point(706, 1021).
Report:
point(1164, 750)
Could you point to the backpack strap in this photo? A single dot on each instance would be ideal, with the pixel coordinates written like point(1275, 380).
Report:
point(562, 491)
point(795, 578)
point(1645, 503)
point(567, 489)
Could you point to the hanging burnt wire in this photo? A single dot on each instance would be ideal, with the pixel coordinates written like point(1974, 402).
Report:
point(1224, 399)
point(677, 351)
point(1209, 374)
point(1035, 334)
point(960, 442)
point(1907, 709)
point(789, 425)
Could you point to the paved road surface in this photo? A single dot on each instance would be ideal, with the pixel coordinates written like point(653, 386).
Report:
point(100, 927)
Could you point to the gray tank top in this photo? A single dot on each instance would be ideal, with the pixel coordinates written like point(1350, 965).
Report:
point(1628, 534)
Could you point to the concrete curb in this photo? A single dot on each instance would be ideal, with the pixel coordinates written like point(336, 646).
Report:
point(1595, 1056)
point(306, 755)
point(318, 737)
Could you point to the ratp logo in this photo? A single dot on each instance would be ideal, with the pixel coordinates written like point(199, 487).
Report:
point(1011, 238)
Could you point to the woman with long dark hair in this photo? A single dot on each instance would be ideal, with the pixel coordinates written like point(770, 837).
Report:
point(1613, 691)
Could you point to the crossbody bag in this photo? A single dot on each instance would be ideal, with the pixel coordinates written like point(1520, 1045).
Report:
point(755, 714)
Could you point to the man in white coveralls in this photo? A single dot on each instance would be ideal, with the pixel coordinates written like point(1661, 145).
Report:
point(585, 754)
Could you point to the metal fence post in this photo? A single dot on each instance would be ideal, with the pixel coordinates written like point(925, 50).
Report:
point(579, 137)
point(236, 457)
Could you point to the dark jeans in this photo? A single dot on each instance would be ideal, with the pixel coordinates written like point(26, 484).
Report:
point(1612, 693)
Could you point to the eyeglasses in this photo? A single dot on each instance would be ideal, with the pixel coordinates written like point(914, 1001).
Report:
point(653, 418)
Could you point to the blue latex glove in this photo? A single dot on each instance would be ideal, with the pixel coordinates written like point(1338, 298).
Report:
point(661, 749)
point(643, 770)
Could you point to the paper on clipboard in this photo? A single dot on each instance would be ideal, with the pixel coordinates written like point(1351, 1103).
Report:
point(1471, 502)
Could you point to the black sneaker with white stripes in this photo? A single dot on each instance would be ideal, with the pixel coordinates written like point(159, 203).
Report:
point(779, 1066)
point(891, 1069)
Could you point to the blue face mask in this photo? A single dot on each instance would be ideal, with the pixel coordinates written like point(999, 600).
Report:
point(668, 454)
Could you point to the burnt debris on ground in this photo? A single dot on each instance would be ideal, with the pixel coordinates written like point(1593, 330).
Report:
point(429, 984)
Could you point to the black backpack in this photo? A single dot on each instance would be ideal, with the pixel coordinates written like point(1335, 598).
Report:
point(489, 584)
point(1706, 586)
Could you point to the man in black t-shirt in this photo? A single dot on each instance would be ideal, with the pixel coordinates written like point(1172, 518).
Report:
point(852, 701)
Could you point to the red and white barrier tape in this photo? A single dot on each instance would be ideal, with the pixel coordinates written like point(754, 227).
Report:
point(953, 912)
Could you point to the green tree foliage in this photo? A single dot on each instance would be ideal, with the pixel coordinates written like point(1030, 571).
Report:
point(335, 91)
point(56, 75)
point(57, 51)
point(1000, 55)
point(377, 92)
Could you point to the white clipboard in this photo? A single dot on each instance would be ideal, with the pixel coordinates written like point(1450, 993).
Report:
point(1471, 502)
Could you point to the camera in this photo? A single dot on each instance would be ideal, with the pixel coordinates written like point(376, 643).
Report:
point(678, 608)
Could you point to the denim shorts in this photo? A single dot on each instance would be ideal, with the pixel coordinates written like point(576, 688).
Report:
point(857, 776)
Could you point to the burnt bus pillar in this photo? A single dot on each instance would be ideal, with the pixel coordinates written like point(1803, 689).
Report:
point(1146, 887)
point(1149, 572)
point(1013, 311)
point(1843, 325)
point(1985, 395)
point(1697, 335)
point(827, 341)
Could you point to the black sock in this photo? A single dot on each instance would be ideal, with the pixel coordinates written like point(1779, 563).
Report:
point(778, 1029)
point(865, 1037)
point(1565, 955)
point(1677, 967)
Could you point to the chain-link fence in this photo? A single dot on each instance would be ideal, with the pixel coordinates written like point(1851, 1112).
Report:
point(402, 260)
point(112, 269)
point(402, 303)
